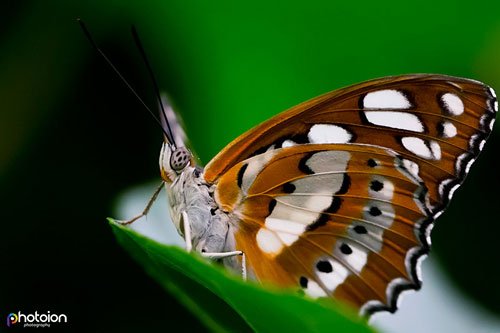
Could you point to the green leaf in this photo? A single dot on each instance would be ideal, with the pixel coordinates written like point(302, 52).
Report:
point(224, 302)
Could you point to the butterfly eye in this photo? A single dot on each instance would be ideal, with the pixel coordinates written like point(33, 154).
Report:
point(179, 159)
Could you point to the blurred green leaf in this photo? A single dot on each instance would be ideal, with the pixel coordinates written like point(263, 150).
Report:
point(226, 303)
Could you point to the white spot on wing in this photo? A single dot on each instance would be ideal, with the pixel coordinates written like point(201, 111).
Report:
point(492, 92)
point(453, 104)
point(364, 310)
point(287, 231)
point(435, 150)
point(449, 130)
point(481, 144)
point(255, 166)
point(495, 104)
point(385, 219)
point(328, 184)
point(268, 242)
point(387, 190)
point(452, 191)
point(459, 162)
point(386, 99)
point(333, 279)
point(327, 133)
point(356, 260)
point(394, 119)
point(288, 238)
point(284, 226)
point(329, 161)
point(473, 141)
point(288, 143)
point(300, 209)
point(428, 230)
point(419, 147)
point(443, 185)
point(469, 164)
point(412, 168)
point(372, 239)
point(314, 290)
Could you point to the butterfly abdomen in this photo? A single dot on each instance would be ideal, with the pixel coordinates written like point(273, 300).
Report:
point(209, 226)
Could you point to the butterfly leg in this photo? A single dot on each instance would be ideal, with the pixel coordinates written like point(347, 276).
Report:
point(222, 255)
point(146, 209)
point(187, 231)
point(211, 255)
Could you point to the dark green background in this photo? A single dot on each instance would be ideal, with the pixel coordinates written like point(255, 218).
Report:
point(72, 137)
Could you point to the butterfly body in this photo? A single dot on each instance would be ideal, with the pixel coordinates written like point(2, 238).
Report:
point(189, 193)
point(337, 196)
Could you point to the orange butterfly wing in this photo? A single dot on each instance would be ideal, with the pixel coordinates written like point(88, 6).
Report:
point(455, 132)
point(352, 227)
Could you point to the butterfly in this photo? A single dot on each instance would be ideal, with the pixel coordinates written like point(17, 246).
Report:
point(335, 197)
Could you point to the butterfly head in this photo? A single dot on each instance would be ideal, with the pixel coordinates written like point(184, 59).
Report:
point(173, 160)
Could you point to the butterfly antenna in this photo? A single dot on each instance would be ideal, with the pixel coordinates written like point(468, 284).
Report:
point(91, 40)
point(155, 83)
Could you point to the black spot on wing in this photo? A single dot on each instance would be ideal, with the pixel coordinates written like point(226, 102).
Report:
point(359, 229)
point(376, 185)
point(371, 163)
point(241, 173)
point(300, 139)
point(297, 138)
point(345, 249)
point(272, 204)
point(361, 102)
point(324, 266)
point(303, 164)
point(259, 151)
point(288, 188)
point(440, 128)
point(325, 217)
point(303, 282)
point(346, 183)
point(375, 211)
